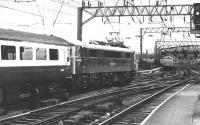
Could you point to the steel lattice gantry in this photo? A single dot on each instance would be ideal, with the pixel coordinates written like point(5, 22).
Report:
point(174, 44)
point(187, 52)
point(159, 10)
point(143, 31)
point(164, 30)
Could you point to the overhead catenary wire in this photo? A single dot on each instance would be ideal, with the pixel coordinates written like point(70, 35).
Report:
point(58, 13)
point(47, 8)
point(40, 9)
point(42, 17)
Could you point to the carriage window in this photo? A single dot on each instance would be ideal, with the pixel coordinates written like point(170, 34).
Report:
point(41, 54)
point(26, 53)
point(53, 54)
point(8, 52)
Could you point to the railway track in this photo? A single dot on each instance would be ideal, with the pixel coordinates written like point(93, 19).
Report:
point(136, 113)
point(53, 114)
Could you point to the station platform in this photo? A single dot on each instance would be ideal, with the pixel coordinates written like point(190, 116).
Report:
point(177, 110)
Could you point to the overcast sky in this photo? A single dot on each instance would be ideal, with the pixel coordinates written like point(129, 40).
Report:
point(42, 17)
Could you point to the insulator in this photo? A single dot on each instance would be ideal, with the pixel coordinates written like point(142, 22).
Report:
point(170, 18)
point(157, 2)
point(161, 18)
point(83, 3)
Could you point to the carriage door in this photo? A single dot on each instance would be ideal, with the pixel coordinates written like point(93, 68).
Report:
point(84, 60)
point(67, 55)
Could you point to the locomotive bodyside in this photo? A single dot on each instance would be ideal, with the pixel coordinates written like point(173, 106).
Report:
point(104, 64)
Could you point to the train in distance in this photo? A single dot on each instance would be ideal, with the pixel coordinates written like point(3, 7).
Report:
point(168, 63)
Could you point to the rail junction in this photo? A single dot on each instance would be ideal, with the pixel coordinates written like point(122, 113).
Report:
point(104, 108)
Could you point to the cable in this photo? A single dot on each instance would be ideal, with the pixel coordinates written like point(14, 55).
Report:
point(42, 17)
point(46, 8)
point(58, 13)
point(2, 6)
point(66, 4)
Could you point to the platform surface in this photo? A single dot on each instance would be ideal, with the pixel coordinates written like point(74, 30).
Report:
point(178, 110)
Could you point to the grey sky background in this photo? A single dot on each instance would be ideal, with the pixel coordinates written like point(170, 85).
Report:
point(42, 16)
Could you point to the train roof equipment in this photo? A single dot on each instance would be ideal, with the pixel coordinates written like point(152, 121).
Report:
point(168, 57)
point(108, 48)
point(14, 35)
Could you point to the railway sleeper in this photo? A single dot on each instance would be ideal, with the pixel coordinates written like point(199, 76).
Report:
point(32, 120)
point(104, 107)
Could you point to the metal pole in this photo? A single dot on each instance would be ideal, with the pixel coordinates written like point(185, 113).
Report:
point(141, 37)
point(79, 23)
point(155, 53)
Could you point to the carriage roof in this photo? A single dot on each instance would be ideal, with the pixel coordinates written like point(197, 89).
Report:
point(168, 57)
point(108, 48)
point(8, 34)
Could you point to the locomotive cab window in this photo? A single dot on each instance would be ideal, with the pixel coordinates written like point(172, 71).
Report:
point(41, 54)
point(8, 52)
point(53, 54)
point(93, 53)
point(26, 53)
point(116, 54)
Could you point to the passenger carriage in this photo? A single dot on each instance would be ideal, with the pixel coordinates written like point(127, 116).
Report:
point(31, 59)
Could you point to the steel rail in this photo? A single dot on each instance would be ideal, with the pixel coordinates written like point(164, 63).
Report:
point(57, 106)
point(140, 103)
point(55, 115)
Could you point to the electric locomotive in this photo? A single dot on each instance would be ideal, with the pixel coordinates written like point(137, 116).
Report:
point(168, 63)
point(100, 64)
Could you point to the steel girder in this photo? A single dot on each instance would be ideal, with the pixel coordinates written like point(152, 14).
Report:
point(156, 10)
point(175, 44)
point(164, 30)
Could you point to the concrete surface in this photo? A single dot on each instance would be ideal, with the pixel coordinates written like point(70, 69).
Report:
point(178, 110)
